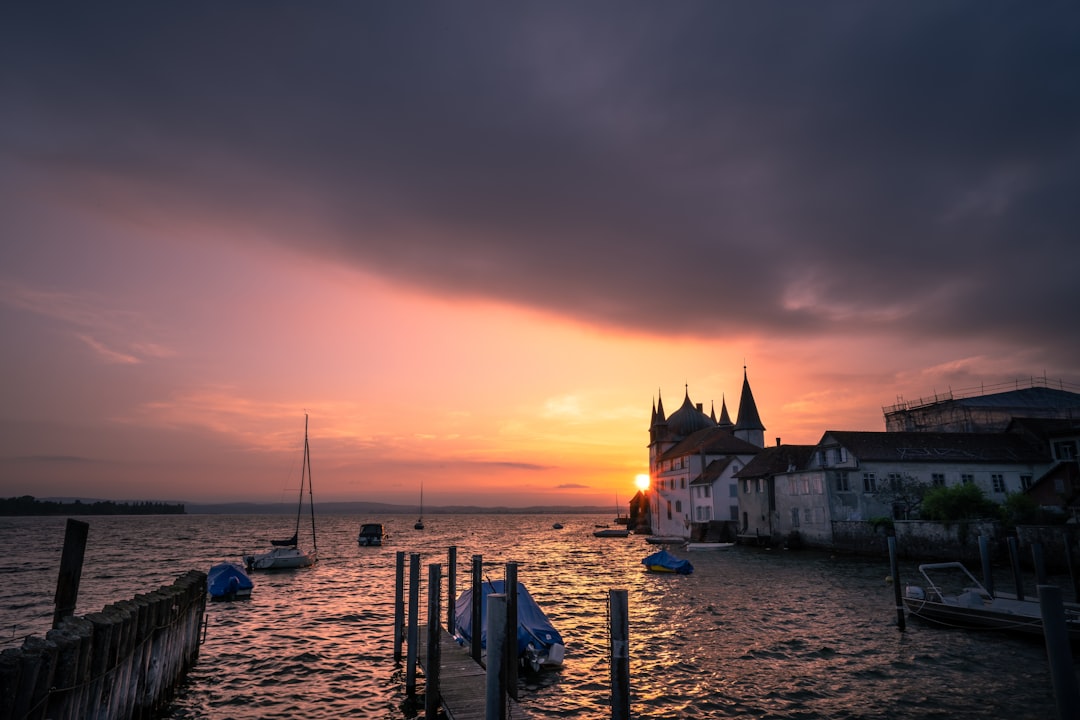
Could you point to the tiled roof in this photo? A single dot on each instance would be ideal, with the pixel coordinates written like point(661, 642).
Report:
point(711, 441)
point(939, 447)
point(778, 459)
point(713, 471)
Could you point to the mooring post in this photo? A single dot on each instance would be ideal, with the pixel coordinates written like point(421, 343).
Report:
point(434, 651)
point(451, 589)
point(620, 654)
point(495, 696)
point(1037, 561)
point(510, 586)
point(1014, 556)
point(71, 562)
point(399, 604)
point(988, 574)
point(1058, 651)
point(894, 566)
point(1072, 566)
point(414, 603)
point(475, 615)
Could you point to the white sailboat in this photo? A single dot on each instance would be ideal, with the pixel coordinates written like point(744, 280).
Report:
point(287, 554)
point(419, 524)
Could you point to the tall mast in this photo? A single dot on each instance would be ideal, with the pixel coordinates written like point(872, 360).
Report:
point(311, 491)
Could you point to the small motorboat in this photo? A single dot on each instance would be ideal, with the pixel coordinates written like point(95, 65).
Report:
point(556, 526)
point(539, 644)
point(709, 545)
point(371, 534)
point(664, 562)
point(228, 581)
point(953, 597)
point(612, 532)
point(666, 540)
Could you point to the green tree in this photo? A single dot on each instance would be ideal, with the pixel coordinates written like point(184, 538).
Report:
point(904, 495)
point(958, 502)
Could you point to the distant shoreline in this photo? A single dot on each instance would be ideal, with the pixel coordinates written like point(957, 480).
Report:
point(28, 506)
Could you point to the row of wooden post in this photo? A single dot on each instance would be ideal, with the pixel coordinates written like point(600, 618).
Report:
point(502, 660)
point(122, 662)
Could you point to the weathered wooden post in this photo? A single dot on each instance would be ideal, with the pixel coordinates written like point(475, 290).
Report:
point(475, 646)
point(511, 587)
point(620, 654)
point(1014, 556)
point(414, 603)
point(987, 571)
point(399, 604)
point(434, 635)
point(38, 668)
point(71, 562)
point(1072, 566)
point(1039, 563)
point(495, 697)
point(451, 589)
point(1058, 652)
point(895, 569)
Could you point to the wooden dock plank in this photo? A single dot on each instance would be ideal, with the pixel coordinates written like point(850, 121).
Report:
point(462, 681)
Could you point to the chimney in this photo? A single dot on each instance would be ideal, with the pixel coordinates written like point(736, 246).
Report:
point(700, 408)
point(777, 442)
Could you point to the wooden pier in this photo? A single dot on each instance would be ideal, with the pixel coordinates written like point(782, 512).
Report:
point(463, 682)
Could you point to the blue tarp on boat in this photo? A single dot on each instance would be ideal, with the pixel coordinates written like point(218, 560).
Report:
point(227, 581)
point(663, 561)
point(539, 643)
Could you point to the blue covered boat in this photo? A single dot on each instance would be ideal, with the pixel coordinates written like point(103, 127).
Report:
point(665, 562)
point(228, 581)
point(539, 643)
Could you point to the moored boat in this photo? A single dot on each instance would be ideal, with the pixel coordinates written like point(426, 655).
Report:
point(664, 562)
point(539, 644)
point(371, 534)
point(952, 596)
point(709, 545)
point(228, 581)
point(612, 532)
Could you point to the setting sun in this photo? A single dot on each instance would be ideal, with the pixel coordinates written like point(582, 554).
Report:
point(642, 482)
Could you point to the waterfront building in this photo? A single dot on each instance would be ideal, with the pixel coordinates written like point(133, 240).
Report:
point(693, 460)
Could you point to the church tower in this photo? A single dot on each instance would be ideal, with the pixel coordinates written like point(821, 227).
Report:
point(748, 425)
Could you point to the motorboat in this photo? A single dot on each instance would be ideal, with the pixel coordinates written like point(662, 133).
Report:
point(539, 644)
point(287, 554)
point(664, 562)
point(612, 532)
point(228, 581)
point(709, 545)
point(666, 540)
point(371, 534)
point(952, 596)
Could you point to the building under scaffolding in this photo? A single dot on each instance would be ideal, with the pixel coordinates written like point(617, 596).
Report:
point(985, 409)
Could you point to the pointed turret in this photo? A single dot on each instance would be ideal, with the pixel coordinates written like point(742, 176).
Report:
point(725, 419)
point(748, 426)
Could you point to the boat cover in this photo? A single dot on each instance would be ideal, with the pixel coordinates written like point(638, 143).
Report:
point(227, 580)
point(663, 561)
point(533, 625)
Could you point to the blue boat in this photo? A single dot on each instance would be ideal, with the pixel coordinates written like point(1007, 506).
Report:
point(228, 581)
point(665, 562)
point(539, 644)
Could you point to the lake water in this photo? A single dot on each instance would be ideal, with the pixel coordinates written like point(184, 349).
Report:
point(752, 633)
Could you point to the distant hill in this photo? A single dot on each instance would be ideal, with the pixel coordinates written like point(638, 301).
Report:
point(374, 508)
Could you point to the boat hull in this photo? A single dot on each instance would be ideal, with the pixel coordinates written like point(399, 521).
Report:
point(709, 546)
point(280, 559)
point(228, 581)
point(539, 643)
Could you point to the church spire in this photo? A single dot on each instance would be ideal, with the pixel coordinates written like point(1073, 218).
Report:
point(748, 426)
point(725, 418)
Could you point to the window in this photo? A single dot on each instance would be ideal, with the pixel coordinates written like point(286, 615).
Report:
point(794, 517)
point(937, 479)
point(668, 509)
point(745, 521)
point(841, 455)
point(967, 478)
point(999, 482)
point(869, 482)
point(842, 482)
point(682, 483)
point(735, 514)
point(808, 515)
point(758, 489)
point(1065, 450)
point(894, 481)
point(733, 491)
point(707, 490)
point(1025, 482)
point(678, 506)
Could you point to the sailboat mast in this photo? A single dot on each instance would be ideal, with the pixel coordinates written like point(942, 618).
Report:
point(311, 491)
point(303, 469)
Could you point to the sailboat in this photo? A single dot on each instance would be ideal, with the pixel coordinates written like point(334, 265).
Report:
point(419, 524)
point(619, 518)
point(286, 554)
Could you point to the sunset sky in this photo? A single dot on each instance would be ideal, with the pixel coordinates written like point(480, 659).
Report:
point(474, 241)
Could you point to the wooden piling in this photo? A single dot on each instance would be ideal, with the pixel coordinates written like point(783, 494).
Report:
point(414, 602)
point(71, 562)
point(495, 695)
point(987, 571)
point(894, 568)
point(1014, 557)
point(1038, 562)
point(451, 589)
point(399, 604)
point(510, 588)
point(475, 614)
point(620, 654)
point(1058, 652)
point(434, 654)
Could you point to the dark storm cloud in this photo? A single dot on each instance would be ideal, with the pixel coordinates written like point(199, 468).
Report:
point(697, 168)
